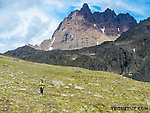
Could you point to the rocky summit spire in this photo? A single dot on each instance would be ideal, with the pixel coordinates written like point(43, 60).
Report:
point(108, 10)
point(85, 7)
point(86, 12)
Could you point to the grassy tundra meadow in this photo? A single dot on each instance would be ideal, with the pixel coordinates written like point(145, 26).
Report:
point(68, 89)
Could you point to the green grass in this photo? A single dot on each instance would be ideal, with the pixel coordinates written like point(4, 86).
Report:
point(19, 87)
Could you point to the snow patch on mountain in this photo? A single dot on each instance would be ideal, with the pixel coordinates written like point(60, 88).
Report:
point(97, 43)
point(51, 48)
point(103, 30)
point(94, 25)
point(74, 58)
point(134, 50)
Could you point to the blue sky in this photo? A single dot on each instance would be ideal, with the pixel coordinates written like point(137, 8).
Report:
point(31, 21)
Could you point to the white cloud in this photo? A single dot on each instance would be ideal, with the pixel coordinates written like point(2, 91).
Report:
point(56, 3)
point(46, 33)
point(130, 7)
point(27, 15)
point(24, 17)
point(33, 26)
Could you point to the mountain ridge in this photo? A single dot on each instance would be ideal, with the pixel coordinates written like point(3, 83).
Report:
point(82, 28)
point(128, 55)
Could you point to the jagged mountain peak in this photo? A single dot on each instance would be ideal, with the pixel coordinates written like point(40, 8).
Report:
point(85, 7)
point(82, 28)
point(124, 15)
point(86, 12)
point(109, 11)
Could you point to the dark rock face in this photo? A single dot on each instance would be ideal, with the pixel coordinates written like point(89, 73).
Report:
point(137, 40)
point(113, 24)
point(84, 29)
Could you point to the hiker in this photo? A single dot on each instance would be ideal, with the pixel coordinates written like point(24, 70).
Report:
point(42, 85)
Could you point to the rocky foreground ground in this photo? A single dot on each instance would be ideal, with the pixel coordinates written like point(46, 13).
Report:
point(68, 89)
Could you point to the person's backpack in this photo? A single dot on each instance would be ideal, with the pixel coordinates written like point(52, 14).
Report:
point(43, 82)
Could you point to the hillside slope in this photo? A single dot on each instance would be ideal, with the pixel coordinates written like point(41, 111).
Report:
point(68, 89)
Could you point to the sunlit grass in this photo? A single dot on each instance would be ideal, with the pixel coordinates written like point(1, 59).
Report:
point(19, 87)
